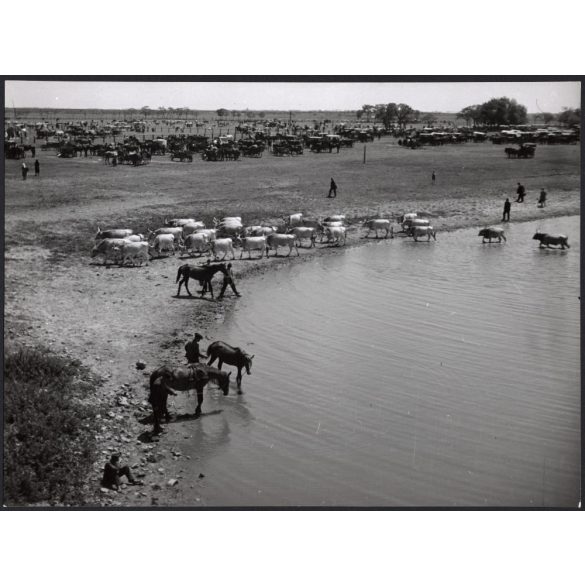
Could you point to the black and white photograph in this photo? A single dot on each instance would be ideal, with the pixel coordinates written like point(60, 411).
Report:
point(267, 293)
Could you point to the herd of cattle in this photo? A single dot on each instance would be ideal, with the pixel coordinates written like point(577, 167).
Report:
point(190, 237)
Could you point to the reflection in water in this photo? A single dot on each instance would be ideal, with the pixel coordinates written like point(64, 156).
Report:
point(401, 373)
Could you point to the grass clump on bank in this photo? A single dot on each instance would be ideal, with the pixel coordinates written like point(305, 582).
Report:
point(49, 432)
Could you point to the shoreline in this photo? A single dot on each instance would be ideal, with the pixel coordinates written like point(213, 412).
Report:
point(122, 396)
point(162, 449)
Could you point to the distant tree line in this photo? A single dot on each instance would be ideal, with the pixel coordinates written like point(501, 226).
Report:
point(508, 112)
point(389, 114)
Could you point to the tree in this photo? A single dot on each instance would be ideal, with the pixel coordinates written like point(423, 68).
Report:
point(570, 116)
point(222, 112)
point(404, 115)
point(470, 113)
point(386, 114)
point(495, 112)
point(366, 110)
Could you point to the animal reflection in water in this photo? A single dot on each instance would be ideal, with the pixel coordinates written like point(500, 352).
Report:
point(164, 380)
point(233, 356)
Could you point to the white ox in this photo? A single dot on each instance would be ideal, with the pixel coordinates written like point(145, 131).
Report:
point(113, 233)
point(134, 251)
point(293, 220)
point(176, 232)
point(275, 241)
point(196, 243)
point(304, 233)
point(337, 217)
point(224, 245)
point(406, 216)
point(136, 238)
point(253, 243)
point(191, 228)
point(109, 248)
point(408, 223)
point(379, 224)
point(336, 235)
point(209, 232)
point(259, 230)
point(178, 222)
point(419, 231)
point(163, 243)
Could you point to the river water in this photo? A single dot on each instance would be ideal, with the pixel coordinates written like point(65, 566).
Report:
point(404, 374)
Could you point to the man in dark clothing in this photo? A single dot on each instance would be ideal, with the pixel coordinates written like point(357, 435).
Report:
point(433, 177)
point(37, 168)
point(228, 278)
point(332, 189)
point(542, 198)
point(507, 206)
point(113, 472)
point(192, 352)
point(24, 169)
point(521, 191)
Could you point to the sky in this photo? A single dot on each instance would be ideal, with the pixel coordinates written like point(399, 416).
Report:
point(441, 97)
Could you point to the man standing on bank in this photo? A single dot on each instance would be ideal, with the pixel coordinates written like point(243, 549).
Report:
point(192, 352)
point(228, 278)
point(507, 206)
point(332, 189)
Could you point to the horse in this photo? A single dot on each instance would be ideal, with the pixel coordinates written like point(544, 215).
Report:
point(164, 380)
point(203, 274)
point(234, 356)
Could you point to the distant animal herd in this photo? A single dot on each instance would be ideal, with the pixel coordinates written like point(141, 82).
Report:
point(192, 238)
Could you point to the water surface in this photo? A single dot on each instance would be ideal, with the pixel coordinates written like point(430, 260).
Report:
point(404, 374)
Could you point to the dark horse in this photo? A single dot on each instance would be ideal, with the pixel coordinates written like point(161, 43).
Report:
point(183, 378)
point(203, 274)
point(233, 356)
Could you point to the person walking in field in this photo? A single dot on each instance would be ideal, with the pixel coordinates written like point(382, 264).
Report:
point(37, 168)
point(433, 177)
point(332, 189)
point(507, 206)
point(228, 278)
point(192, 352)
point(542, 198)
point(521, 192)
point(24, 170)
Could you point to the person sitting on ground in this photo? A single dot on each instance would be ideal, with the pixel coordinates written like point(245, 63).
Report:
point(113, 472)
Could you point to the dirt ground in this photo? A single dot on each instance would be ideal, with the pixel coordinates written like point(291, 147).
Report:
point(112, 317)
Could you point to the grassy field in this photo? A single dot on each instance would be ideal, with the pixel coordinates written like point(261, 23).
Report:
point(86, 192)
point(109, 318)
